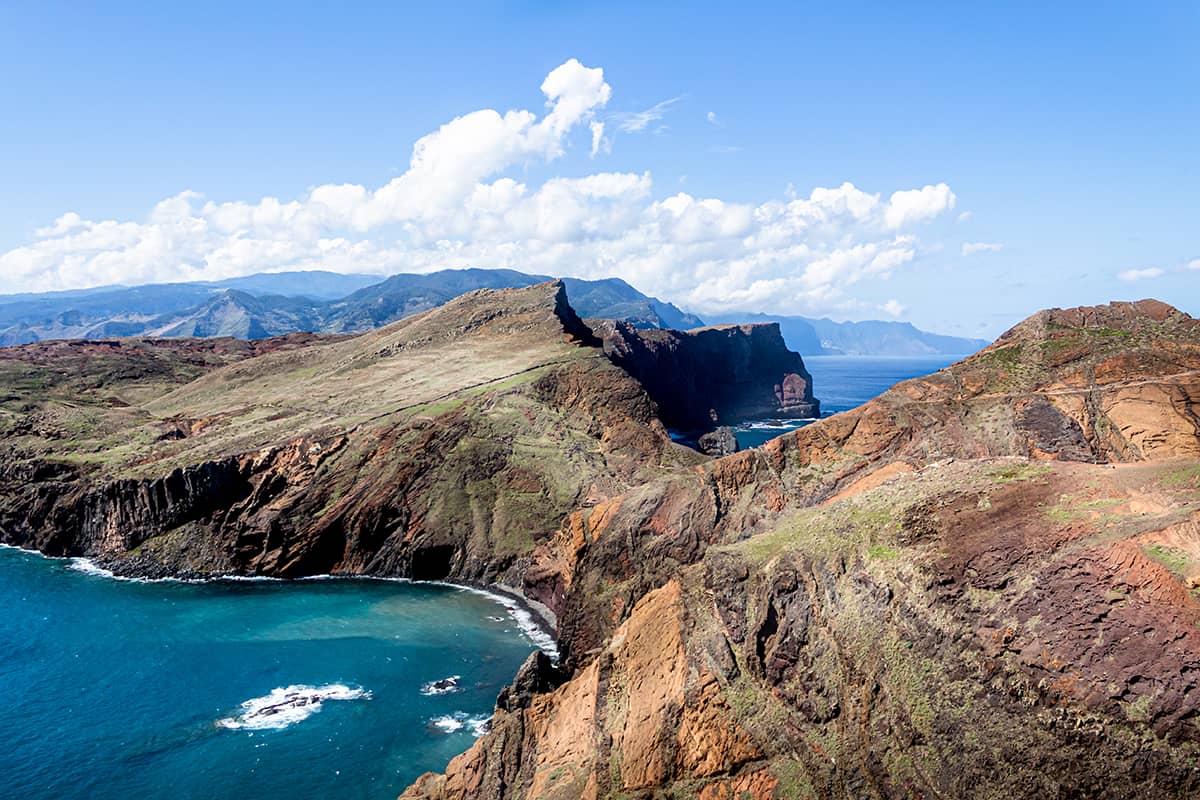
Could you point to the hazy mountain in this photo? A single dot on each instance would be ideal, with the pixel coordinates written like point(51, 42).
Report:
point(269, 304)
point(313, 284)
point(815, 337)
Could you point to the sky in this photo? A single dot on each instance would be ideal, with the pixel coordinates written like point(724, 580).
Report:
point(951, 165)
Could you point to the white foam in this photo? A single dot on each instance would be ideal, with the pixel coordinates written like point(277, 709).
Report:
point(89, 567)
point(453, 723)
point(775, 424)
point(448, 685)
point(288, 705)
point(525, 620)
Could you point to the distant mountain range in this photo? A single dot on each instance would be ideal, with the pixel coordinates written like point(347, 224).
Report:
point(271, 304)
point(264, 305)
point(822, 337)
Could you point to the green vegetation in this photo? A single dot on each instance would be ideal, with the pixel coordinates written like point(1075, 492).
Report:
point(1019, 472)
point(1182, 476)
point(1175, 560)
point(882, 552)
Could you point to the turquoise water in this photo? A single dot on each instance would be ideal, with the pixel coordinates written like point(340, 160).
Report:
point(115, 689)
point(842, 383)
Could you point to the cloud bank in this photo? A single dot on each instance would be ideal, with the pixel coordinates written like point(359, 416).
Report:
point(455, 206)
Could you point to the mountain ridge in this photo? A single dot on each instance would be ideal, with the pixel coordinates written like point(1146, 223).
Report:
point(272, 304)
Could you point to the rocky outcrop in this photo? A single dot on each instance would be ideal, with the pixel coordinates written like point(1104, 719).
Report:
point(714, 376)
point(718, 443)
point(987, 566)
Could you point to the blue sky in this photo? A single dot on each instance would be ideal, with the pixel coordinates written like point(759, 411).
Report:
point(1063, 137)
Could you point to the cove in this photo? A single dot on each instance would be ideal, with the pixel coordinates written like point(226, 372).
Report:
point(248, 689)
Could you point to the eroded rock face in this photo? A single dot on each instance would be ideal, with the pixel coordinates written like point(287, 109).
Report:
point(989, 566)
point(713, 376)
point(718, 443)
point(444, 446)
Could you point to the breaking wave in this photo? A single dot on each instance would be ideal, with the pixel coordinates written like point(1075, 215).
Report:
point(288, 705)
point(453, 723)
point(443, 686)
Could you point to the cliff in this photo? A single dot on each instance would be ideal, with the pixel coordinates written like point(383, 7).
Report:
point(713, 376)
point(989, 566)
point(446, 445)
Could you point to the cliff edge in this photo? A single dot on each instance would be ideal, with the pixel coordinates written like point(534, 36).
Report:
point(713, 376)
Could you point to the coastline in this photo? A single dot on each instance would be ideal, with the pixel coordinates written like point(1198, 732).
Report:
point(536, 622)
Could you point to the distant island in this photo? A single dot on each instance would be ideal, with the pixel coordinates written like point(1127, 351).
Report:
point(273, 304)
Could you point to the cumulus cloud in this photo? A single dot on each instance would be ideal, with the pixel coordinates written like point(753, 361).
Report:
point(1194, 263)
point(712, 118)
point(1140, 274)
point(893, 307)
point(458, 205)
point(972, 248)
point(918, 205)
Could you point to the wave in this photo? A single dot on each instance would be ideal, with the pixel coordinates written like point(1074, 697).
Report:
point(774, 424)
point(448, 685)
point(529, 625)
point(477, 724)
point(288, 705)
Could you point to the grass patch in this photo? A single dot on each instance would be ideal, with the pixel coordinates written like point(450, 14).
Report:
point(1174, 560)
point(1061, 515)
point(882, 552)
point(1182, 476)
point(1012, 473)
point(1004, 357)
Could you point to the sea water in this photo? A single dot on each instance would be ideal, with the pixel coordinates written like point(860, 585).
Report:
point(228, 689)
point(842, 383)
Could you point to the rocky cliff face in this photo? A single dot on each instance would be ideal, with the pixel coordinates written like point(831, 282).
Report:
point(714, 376)
point(977, 585)
point(447, 445)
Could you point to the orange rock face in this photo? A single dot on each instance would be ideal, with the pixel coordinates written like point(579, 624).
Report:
point(977, 585)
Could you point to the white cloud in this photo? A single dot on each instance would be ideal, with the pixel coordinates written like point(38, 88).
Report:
point(964, 216)
point(1194, 263)
point(1140, 274)
point(972, 248)
point(457, 205)
point(893, 307)
point(636, 121)
point(918, 205)
point(712, 118)
point(598, 140)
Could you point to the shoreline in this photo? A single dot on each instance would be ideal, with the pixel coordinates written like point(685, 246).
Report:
point(536, 622)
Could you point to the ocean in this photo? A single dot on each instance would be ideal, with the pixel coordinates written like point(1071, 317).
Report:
point(842, 383)
point(239, 689)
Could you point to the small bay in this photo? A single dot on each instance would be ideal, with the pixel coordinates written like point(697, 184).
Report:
point(247, 689)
